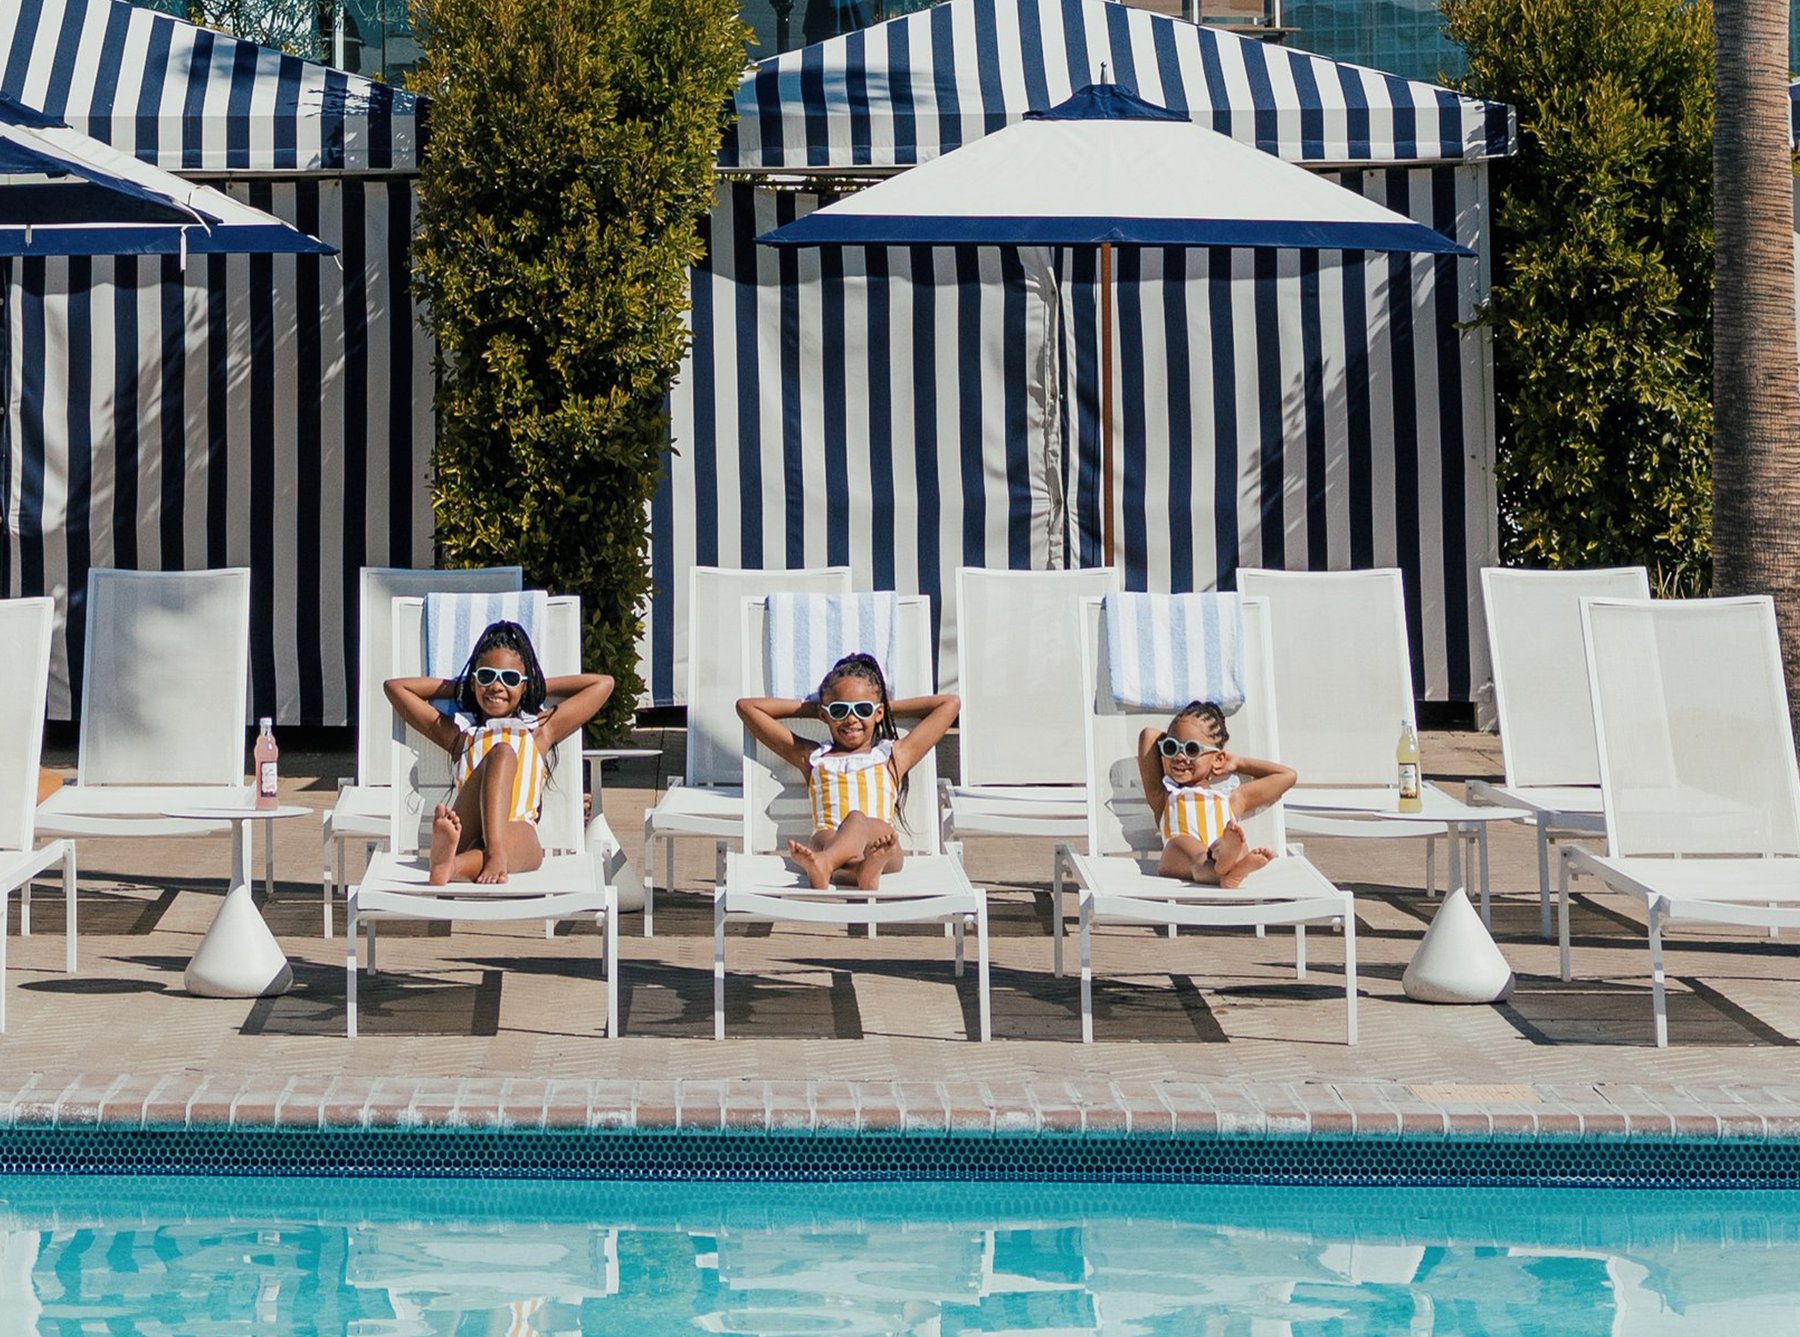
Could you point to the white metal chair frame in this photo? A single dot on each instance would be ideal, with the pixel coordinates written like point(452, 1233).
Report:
point(27, 626)
point(759, 885)
point(1357, 810)
point(567, 885)
point(96, 804)
point(706, 801)
point(1117, 876)
point(990, 800)
point(361, 814)
point(1754, 889)
point(1564, 802)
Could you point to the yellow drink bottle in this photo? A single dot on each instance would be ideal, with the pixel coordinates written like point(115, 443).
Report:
point(1406, 754)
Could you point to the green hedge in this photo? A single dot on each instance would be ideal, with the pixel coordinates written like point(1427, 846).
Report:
point(1602, 279)
point(569, 157)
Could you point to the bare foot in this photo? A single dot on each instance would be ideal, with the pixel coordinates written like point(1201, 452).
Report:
point(1250, 861)
point(493, 868)
point(874, 862)
point(446, 834)
point(1228, 848)
point(808, 858)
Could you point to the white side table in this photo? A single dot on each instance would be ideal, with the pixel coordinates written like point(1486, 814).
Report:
point(239, 957)
point(595, 759)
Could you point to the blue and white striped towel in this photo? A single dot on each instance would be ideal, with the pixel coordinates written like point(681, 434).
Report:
point(453, 622)
point(807, 633)
point(1165, 650)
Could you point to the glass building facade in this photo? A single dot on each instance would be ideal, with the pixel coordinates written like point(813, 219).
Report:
point(1403, 37)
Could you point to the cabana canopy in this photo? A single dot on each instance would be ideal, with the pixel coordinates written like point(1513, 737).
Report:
point(62, 193)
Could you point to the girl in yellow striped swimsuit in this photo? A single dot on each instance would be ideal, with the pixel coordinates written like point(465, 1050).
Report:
point(499, 743)
point(1198, 792)
point(857, 781)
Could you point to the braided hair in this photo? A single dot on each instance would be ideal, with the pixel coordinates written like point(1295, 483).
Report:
point(503, 636)
point(1207, 712)
point(868, 669)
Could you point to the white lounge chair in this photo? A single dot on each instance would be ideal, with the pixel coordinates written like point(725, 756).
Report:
point(1019, 734)
point(760, 884)
point(567, 885)
point(27, 626)
point(706, 801)
point(1343, 687)
point(364, 809)
point(164, 706)
point(1117, 876)
point(1697, 770)
point(1541, 696)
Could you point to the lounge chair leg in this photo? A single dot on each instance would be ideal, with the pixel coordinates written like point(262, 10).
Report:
point(1562, 914)
point(1056, 909)
point(350, 965)
point(1350, 975)
point(719, 964)
point(668, 882)
point(370, 930)
point(1543, 844)
point(609, 960)
point(1658, 992)
point(334, 877)
point(549, 930)
point(982, 995)
point(649, 867)
point(68, 870)
point(871, 922)
point(1299, 951)
point(955, 925)
point(1087, 972)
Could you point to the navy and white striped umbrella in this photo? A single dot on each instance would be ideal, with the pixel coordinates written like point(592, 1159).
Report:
point(63, 194)
point(1105, 169)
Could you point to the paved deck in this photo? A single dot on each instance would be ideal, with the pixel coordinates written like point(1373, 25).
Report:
point(828, 1031)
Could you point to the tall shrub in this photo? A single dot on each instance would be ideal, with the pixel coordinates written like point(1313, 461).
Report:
point(1602, 278)
point(569, 157)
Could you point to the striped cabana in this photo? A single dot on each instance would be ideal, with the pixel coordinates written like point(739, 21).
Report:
point(909, 410)
point(271, 412)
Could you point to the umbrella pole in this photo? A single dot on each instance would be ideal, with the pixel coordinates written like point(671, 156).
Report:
point(1106, 403)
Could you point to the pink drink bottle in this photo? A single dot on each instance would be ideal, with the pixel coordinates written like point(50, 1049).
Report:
point(265, 756)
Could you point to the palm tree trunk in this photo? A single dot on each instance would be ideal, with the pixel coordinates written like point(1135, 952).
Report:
point(1756, 365)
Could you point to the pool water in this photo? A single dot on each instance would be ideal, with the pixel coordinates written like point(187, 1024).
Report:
point(205, 1256)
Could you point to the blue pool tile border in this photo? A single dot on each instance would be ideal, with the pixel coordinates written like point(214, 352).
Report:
point(446, 1152)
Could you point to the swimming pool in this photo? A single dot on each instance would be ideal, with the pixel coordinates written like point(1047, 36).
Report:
point(397, 1256)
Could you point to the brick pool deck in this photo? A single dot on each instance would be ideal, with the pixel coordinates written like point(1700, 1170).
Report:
point(1206, 1033)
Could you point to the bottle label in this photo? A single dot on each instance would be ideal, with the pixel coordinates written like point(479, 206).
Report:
point(266, 779)
point(1409, 780)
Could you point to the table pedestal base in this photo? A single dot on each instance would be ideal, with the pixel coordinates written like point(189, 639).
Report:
point(1457, 962)
point(238, 957)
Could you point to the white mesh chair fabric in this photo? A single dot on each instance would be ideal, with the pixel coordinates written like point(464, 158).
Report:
point(1343, 685)
point(155, 638)
point(1540, 686)
point(707, 801)
point(1117, 875)
point(26, 629)
point(760, 884)
point(361, 810)
point(1343, 674)
point(1697, 768)
point(567, 884)
point(1541, 697)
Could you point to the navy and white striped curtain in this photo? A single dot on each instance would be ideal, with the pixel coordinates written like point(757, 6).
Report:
point(908, 411)
point(270, 412)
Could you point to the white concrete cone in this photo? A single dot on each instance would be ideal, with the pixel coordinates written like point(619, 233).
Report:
point(1458, 961)
point(615, 866)
point(238, 957)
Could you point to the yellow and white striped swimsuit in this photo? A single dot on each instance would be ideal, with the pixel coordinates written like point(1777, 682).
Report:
point(847, 782)
point(528, 780)
point(1200, 811)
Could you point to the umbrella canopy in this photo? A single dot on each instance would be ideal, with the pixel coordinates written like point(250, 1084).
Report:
point(1108, 168)
point(64, 193)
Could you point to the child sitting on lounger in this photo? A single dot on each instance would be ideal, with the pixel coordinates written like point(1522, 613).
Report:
point(499, 743)
point(1198, 792)
point(858, 779)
